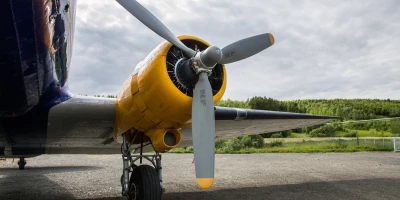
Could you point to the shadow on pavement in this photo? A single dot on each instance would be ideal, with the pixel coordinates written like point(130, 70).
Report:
point(43, 188)
point(379, 188)
point(48, 170)
point(32, 182)
point(349, 189)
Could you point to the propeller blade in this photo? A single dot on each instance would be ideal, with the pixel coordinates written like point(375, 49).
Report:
point(203, 131)
point(148, 19)
point(246, 47)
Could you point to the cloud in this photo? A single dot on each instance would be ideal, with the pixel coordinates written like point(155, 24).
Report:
point(323, 49)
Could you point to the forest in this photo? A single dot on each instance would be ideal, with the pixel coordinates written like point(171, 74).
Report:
point(346, 109)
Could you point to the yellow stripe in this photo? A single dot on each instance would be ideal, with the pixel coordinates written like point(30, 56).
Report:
point(205, 182)
point(271, 38)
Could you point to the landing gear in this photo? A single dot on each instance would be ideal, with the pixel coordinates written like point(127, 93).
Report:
point(21, 163)
point(140, 181)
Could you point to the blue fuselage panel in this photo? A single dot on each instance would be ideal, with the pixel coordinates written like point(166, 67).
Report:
point(35, 53)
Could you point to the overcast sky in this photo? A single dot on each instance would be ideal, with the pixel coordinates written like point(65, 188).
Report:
point(323, 49)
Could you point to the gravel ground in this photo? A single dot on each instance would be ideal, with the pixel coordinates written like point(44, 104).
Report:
point(365, 175)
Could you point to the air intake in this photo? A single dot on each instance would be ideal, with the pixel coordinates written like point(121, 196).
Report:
point(164, 140)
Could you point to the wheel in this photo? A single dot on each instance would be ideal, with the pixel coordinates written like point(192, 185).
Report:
point(21, 163)
point(145, 184)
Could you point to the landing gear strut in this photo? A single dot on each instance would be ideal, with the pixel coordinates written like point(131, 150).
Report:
point(140, 181)
point(21, 163)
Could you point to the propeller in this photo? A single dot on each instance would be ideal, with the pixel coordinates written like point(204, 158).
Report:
point(203, 131)
point(247, 47)
point(203, 116)
point(148, 19)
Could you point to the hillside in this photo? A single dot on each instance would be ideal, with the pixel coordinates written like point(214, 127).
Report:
point(346, 109)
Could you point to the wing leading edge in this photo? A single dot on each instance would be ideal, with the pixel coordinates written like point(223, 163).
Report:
point(234, 122)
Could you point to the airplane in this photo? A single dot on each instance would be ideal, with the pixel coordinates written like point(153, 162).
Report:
point(168, 101)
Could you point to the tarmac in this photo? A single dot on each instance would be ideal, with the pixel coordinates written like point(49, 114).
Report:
point(363, 175)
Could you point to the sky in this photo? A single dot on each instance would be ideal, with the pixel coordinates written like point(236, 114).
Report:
point(323, 49)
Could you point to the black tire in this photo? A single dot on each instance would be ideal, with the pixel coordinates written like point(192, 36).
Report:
point(145, 184)
point(21, 164)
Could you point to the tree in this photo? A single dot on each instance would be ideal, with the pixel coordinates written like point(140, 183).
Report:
point(395, 126)
point(246, 142)
point(234, 143)
point(323, 131)
point(257, 140)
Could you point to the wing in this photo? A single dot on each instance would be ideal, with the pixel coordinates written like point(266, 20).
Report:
point(82, 125)
point(85, 125)
point(234, 122)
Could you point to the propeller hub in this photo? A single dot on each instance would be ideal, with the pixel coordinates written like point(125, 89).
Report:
point(206, 60)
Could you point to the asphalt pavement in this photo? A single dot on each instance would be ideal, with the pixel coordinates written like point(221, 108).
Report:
point(364, 175)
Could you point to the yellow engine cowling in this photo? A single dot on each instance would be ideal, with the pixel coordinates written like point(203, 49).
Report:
point(150, 101)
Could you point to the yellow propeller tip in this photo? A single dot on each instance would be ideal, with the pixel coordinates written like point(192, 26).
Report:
point(271, 38)
point(205, 182)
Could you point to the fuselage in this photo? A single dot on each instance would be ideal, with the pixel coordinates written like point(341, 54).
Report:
point(35, 54)
point(39, 115)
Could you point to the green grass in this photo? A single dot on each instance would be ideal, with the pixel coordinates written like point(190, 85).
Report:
point(319, 149)
point(368, 133)
point(324, 146)
point(302, 149)
point(339, 133)
point(180, 150)
point(361, 133)
point(306, 147)
point(297, 135)
point(381, 116)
